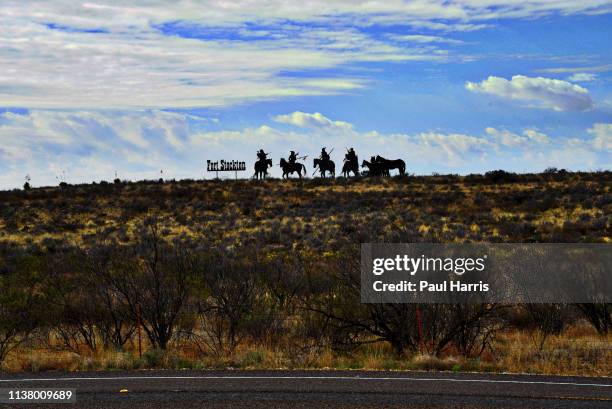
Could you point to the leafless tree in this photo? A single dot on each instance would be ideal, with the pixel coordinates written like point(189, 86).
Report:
point(152, 278)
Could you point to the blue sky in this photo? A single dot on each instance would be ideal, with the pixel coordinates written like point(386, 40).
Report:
point(461, 86)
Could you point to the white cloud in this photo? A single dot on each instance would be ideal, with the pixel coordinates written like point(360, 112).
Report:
point(456, 143)
point(506, 138)
point(142, 67)
point(448, 27)
point(536, 136)
point(602, 136)
point(40, 127)
point(115, 14)
point(423, 39)
point(316, 120)
point(112, 54)
point(566, 70)
point(536, 92)
point(47, 69)
point(333, 84)
point(449, 150)
point(513, 140)
point(44, 144)
point(92, 145)
point(582, 77)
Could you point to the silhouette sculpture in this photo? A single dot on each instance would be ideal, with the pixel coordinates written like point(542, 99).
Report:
point(261, 155)
point(262, 165)
point(325, 164)
point(374, 168)
point(293, 157)
point(351, 163)
point(328, 166)
point(379, 166)
point(291, 167)
point(261, 169)
point(324, 155)
point(389, 165)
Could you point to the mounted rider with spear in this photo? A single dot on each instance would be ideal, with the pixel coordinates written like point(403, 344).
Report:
point(292, 166)
point(294, 157)
point(351, 163)
point(324, 163)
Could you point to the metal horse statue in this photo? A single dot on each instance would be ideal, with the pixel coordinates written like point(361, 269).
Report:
point(351, 164)
point(374, 168)
point(388, 164)
point(261, 169)
point(325, 166)
point(289, 168)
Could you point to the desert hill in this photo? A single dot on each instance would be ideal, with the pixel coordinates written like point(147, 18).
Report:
point(498, 207)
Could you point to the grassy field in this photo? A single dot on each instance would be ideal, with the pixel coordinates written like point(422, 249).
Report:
point(251, 299)
point(315, 213)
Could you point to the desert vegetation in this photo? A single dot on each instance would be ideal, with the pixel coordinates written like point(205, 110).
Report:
point(254, 274)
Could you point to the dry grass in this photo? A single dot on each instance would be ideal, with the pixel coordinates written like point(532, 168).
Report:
point(574, 208)
point(577, 351)
point(565, 354)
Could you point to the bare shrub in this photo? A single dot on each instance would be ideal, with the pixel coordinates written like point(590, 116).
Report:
point(152, 278)
point(19, 305)
point(599, 315)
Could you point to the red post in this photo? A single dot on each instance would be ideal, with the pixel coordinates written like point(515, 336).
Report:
point(139, 337)
point(419, 327)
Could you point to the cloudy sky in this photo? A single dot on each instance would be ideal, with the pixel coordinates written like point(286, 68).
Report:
point(90, 89)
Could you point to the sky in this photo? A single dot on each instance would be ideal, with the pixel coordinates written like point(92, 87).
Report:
point(93, 90)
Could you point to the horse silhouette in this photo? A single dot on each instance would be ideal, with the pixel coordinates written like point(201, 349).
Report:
point(325, 166)
point(290, 168)
point(261, 168)
point(350, 166)
point(388, 164)
point(374, 168)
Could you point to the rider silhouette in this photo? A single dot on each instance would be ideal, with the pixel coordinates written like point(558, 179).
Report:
point(324, 155)
point(351, 156)
point(292, 157)
point(261, 155)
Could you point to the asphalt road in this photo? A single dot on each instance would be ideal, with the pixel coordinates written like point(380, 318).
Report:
point(317, 389)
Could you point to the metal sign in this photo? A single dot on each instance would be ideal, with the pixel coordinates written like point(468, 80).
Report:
point(225, 166)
